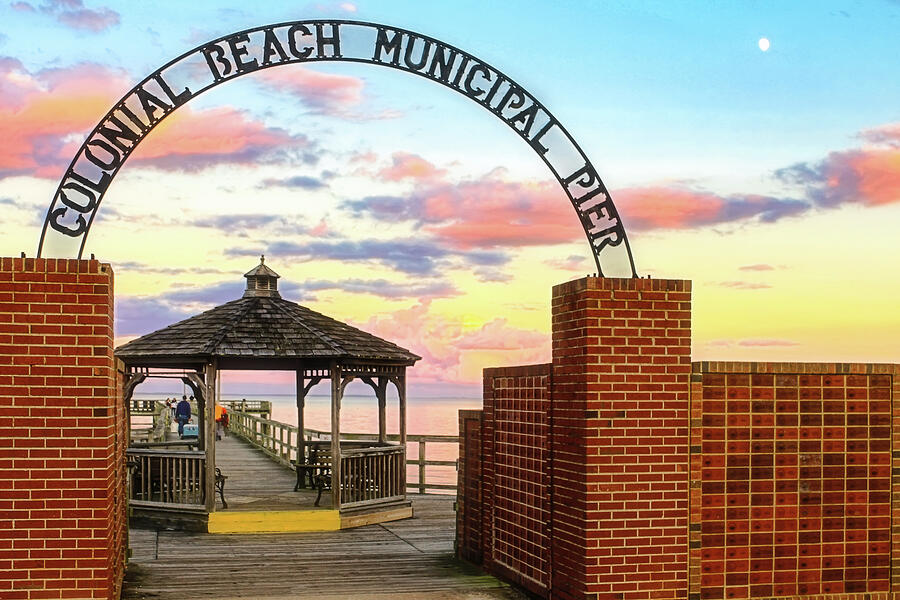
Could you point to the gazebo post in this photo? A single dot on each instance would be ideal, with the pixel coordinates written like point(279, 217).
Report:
point(301, 404)
point(336, 392)
point(401, 394)
point(381, 394)
point(209, 429)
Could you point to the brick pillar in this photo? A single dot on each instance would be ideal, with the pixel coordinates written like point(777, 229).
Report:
point(468, 500)
point(63, 523)
point(619, 438)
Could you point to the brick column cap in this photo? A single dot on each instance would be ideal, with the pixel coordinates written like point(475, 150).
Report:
point(621, 283)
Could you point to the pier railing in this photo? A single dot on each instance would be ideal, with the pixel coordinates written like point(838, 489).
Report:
point(143, 407)
point(263, 407)
point(167, 476)
point(162, 422)
point(279, 441)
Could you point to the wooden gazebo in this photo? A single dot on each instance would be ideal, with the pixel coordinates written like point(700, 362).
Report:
point(263, 331)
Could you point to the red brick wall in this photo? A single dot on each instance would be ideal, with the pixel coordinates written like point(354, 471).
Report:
point(665, 479)
point(791, 479)
point(469, 504)
point(621, 379)
point(516, 409)
point(62, 432)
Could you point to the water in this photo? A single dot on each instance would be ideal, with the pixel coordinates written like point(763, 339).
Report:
point(359, 414)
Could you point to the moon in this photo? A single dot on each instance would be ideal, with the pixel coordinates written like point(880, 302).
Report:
point(763, 44)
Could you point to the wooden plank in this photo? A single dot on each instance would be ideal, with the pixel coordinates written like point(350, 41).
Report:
point(373, 518)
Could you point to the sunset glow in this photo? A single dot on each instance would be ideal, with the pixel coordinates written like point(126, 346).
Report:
point(390, 202)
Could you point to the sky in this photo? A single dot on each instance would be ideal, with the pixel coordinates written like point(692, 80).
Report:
point(766, 173)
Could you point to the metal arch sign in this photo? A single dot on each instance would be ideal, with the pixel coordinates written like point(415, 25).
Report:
point(90, 173)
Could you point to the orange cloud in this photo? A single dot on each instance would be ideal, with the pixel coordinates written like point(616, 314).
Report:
point(868, 176)
point(667, 208)
point(410, 166)
point(876, 174)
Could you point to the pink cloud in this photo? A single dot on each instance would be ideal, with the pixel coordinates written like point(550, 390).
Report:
point(752, 343)
point(86, 19)
point(366, 158)
point(42, 114)
point(497, 335)
point(491, 212)
point(410, 166)
point(664, 207)
point(442, 344)
point(757, 267)
point(869, 176)
point(764, 342)
point(888, 134)
point(74, 15)
point(573, 263)
point(189, 140)
point(744, 285)
point(38, 111)
point(321, 229)
point(325, 93)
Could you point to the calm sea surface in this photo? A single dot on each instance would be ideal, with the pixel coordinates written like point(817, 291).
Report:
point(359, 414)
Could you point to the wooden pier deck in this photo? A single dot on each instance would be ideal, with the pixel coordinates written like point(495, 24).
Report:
point(256, 482)
point(405, 559)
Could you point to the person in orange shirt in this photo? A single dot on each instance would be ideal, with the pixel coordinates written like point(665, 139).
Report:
point(221, 421)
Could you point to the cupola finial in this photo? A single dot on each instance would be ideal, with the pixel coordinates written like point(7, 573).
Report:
point(262, 259)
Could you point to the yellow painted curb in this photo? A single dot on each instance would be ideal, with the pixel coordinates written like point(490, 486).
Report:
point(281, 521)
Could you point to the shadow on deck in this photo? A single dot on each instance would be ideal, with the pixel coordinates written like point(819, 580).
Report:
point(405, 559)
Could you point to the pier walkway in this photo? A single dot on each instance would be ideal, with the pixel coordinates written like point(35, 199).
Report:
point(411, 558)
point(256, 482)
point(407, 559)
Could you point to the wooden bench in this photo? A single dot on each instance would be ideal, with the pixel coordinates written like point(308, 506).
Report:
point(316, 469)
point(220, 486)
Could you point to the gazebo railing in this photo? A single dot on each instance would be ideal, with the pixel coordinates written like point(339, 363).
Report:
point(370, 475)
point(167, 476)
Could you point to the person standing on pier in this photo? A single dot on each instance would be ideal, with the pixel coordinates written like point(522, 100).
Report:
point(182, 414)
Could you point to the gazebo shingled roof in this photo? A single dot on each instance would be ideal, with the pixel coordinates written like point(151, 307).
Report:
point(261, 325)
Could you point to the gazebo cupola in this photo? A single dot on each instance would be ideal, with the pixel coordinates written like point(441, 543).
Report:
point(262, 281)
